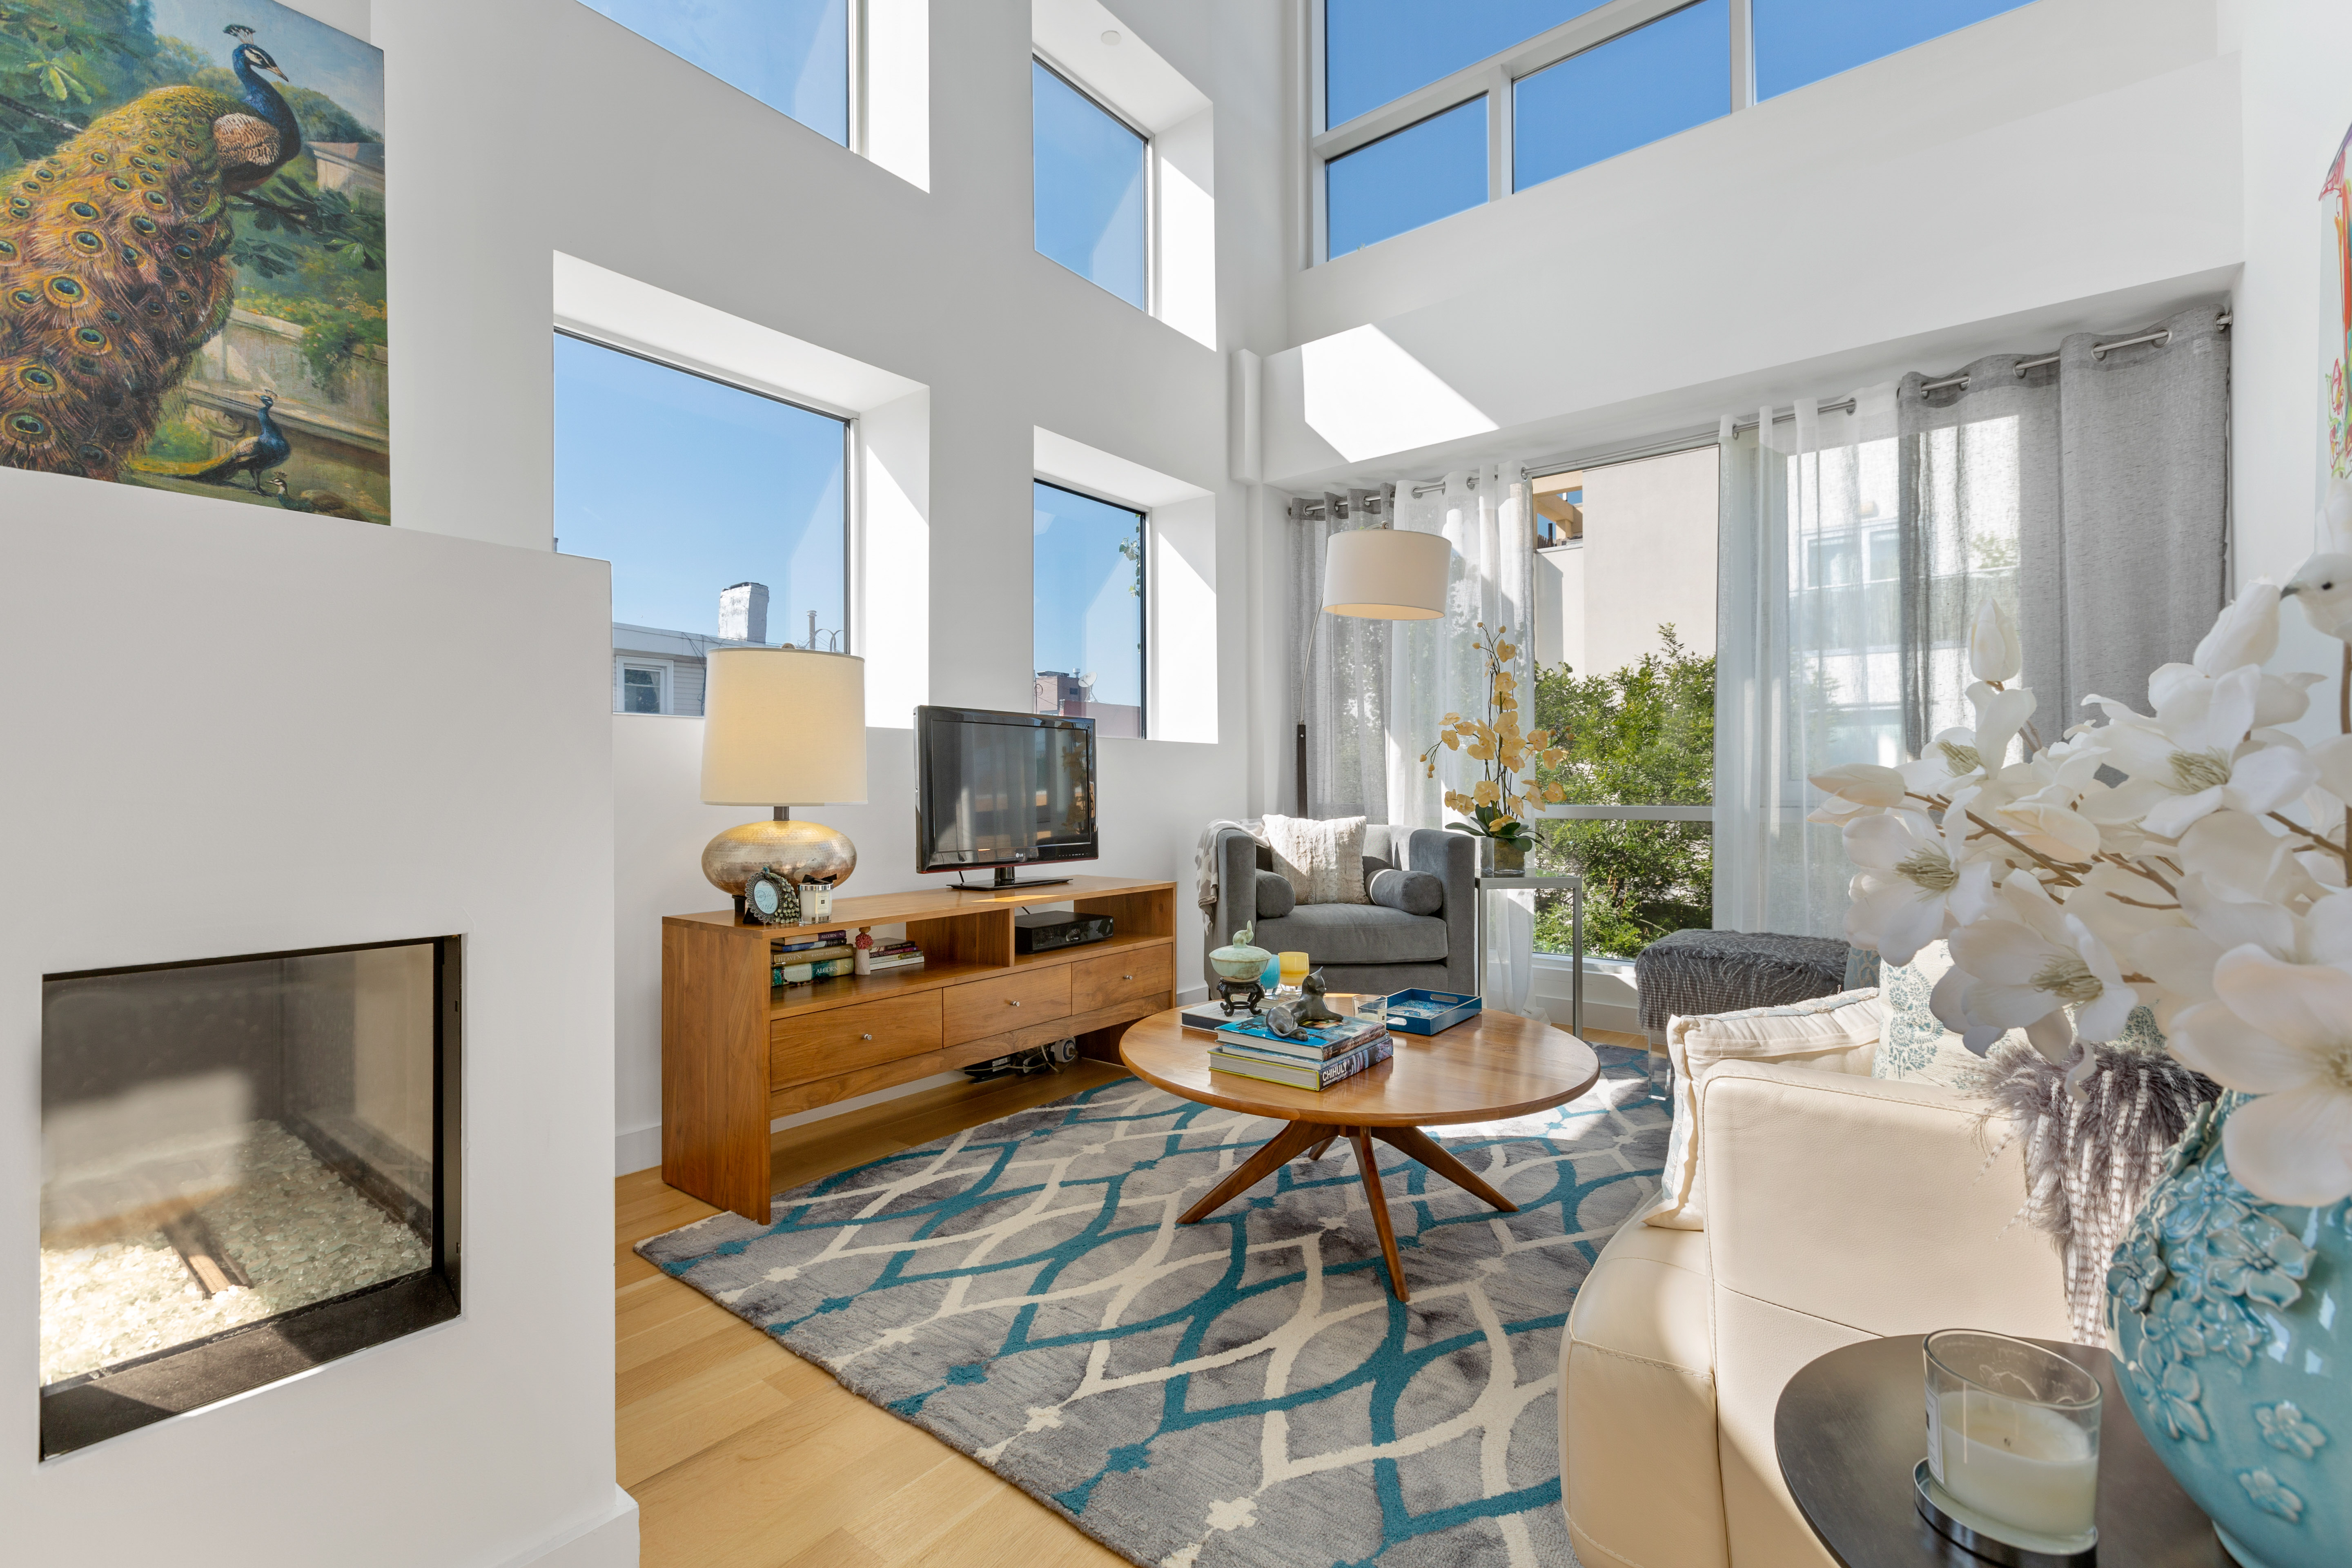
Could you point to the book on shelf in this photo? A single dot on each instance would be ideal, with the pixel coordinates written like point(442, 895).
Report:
point(1304, 1075)
point(801, 973)
point(811, 954)
point(803, 941)
point(895, 961)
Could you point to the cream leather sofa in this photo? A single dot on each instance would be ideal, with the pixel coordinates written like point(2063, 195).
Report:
point(1837, 1207)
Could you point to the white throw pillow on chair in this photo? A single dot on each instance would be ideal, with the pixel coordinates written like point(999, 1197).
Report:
point(1324, 861)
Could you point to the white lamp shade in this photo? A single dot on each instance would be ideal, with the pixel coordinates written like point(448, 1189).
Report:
point(1386, 574)
point(784, 726)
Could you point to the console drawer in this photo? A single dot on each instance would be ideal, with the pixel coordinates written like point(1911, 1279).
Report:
point(988, 1008)
point(842, 1039)
point(1120, 977)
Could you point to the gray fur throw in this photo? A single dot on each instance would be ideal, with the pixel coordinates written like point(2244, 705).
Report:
point(2089, 1162)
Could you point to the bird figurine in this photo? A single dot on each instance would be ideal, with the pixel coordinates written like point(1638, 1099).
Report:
point(324, 503)
point(2323, 587)
point(115, 266)
point(265, 448)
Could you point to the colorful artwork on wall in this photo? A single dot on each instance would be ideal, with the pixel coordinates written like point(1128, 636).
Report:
point(2336, 339)
point(192, 263)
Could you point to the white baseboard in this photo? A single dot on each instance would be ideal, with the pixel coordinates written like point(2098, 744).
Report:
point(610, 1542)
point(636, 1149)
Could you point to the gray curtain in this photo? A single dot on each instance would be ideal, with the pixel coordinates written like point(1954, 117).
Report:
point(1344, 663)
point(2090, 496)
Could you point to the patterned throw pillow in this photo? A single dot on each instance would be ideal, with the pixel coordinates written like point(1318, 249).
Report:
point(1324, 860)
point(1916, 1047)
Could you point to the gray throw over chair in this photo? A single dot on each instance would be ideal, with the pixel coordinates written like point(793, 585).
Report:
point(1360, 947)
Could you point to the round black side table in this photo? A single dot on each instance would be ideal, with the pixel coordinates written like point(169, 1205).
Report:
point(1851, 1426)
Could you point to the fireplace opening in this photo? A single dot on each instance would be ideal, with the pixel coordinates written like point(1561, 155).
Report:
point(248, 1168)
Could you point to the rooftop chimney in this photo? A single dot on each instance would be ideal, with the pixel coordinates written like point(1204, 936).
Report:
point(743, 612)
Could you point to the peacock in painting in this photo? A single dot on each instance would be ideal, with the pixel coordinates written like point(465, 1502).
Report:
point(121, 262)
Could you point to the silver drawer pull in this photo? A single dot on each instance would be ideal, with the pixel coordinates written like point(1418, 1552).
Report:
point(1009, 1003)
point(1126, 977)
point(864, 1037)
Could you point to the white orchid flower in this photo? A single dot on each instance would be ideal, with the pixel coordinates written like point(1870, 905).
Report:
point(2047, 823)
point(2247, 856)
point(1914, 876)
point(2246, 633)
point(1962, 755)
point(1994, 651)
point(2282, 1032)
point(2323, 587)
point(2018, 971)
point(2189, 760)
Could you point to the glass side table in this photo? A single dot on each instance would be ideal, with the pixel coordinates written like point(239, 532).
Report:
point(1574, 887)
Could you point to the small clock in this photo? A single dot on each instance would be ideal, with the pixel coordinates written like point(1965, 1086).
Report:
point(769, 900)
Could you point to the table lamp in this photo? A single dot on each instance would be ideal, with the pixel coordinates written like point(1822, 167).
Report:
point(782, 726)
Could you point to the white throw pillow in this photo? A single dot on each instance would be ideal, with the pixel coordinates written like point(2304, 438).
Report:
point(1837, 1033)
point(1917, 1049)
point(1324, 861)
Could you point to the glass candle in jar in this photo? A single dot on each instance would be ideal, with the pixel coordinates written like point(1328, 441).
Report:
point(1294, 969)
point(2013, 1431)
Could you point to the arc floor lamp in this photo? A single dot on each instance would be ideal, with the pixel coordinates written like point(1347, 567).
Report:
point(1375, 575)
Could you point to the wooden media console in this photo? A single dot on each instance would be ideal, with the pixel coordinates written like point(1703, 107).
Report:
point(737, 1052)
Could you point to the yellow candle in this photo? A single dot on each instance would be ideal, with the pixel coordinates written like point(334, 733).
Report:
point(1294, 969)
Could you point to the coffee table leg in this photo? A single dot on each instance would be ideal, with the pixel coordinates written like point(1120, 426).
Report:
point(1317, 1151)
point(1275, 1151)
point(1368, 1166)
point(1413, 1140)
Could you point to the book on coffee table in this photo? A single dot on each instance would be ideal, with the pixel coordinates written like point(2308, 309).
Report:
point(1317, 1076)
point(1315, 1043)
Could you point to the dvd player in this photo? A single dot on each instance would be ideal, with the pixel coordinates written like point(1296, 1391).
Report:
point(1044, 931)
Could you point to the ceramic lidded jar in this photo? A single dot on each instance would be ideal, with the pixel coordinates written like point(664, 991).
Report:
point(1241, 960)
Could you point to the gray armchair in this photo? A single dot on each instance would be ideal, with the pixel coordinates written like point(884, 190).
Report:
point(1360, 947)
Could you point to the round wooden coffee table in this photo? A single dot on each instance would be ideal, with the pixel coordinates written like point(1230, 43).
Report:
point(1495, 1066)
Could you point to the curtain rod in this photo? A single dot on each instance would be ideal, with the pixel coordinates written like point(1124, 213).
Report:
point(1844, 406)
point(1340, 505)
point(2098, 351)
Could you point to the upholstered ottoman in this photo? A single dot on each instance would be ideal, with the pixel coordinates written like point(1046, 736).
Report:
point(1690, 973)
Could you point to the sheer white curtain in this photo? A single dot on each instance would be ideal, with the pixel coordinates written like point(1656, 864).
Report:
point(1435, 669)
point(1810, 670)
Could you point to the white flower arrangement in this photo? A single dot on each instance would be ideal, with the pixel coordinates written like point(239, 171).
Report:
point(2209, 885)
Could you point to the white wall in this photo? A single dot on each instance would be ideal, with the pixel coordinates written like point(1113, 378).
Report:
point(2070, 163)
point(247, 731)
point(946, 291)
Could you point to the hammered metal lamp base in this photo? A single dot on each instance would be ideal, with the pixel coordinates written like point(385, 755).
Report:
point(799, 852)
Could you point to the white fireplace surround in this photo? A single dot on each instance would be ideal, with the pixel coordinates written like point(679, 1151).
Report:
point(240, 730)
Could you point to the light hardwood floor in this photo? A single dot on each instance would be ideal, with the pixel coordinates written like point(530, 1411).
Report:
point(741, 1454)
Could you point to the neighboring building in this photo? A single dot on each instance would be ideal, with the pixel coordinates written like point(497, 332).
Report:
point(1072, 697)
point(743, 612)
point(657, 670)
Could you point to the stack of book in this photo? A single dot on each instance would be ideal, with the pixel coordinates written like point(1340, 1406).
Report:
point(893, 955)
point(1319, 1058)
point(815, 955)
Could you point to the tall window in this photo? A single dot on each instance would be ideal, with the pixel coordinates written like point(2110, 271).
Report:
point(723, 512)
point(790, 55)
point(1635, 89)
point(1087, 599)
point(1092, 214)
point(1417, 176)
point(1802, 41)
point(1624, 673)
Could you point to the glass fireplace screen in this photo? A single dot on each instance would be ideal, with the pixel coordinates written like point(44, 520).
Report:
point(247, 1168)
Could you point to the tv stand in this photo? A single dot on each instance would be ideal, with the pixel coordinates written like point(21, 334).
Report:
point(1005, 878)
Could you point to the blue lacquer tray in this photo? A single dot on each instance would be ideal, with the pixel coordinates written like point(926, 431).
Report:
point(1429, 1012)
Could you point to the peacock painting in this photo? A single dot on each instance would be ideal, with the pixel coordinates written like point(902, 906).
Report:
point(192, 288)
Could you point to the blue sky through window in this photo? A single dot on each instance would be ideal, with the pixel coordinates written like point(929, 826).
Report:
point(1802, 41)
point(1427, 170)
point(1635, 89)
point(689, 486)
point(1375, 51)
point(792, 55)
point(1089, 189)
point(1087, 605)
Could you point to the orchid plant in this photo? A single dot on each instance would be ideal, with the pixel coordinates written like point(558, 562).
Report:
point(1505, 752)
point(2210, 884)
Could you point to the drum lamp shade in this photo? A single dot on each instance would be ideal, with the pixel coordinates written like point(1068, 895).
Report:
point(784, 726)
point(1386, 574)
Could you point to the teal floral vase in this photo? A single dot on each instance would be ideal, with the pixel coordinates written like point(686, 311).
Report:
point(2227, 1320)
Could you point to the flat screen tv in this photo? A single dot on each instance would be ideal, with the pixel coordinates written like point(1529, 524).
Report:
point(1003, 791)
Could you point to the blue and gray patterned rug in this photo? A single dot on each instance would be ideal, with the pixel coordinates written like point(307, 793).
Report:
point(1243, 1391)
